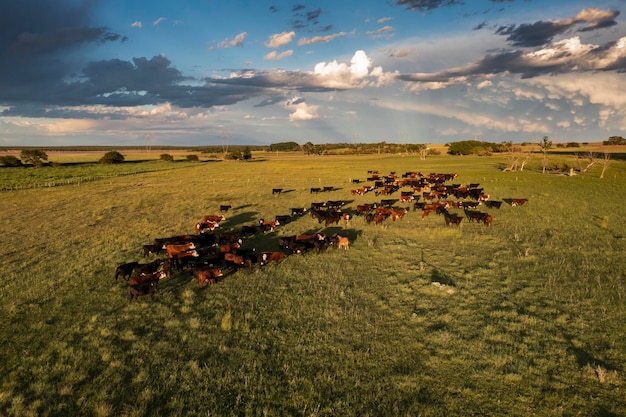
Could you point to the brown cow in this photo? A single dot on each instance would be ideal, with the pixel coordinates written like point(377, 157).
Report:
point(174, 251)
point(519, 201)
point(214, 218)
point(209, 276)
point(140, 279)
point(267, 257)
point(397, 214)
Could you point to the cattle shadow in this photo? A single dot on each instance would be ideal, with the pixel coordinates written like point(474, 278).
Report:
point(283, 192)
point(442, 278)
point(242, 218)
point(509, 201)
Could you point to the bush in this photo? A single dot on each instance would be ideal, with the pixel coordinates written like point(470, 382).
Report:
point(112, 157)
point(166, 157)
point(193, 158)
point(572, 145)
point(33, 156)
point(234, 155)
point(10, 161)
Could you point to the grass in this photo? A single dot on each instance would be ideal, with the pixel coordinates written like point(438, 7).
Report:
point(525, 317)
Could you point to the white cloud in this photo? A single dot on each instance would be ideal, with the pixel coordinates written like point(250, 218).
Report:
point(136, 24)
point(302, 111)
point(275, 56)
point(341, 75)
point(158, 21)
point(321, 39)
point(237, 40)
point(280, 39)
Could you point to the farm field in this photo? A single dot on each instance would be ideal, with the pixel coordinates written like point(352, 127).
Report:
point(526, 317)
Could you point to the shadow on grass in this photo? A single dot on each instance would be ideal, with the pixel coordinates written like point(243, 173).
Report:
point(442, 278)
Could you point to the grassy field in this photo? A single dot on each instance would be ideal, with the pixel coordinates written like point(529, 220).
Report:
point(527, 317)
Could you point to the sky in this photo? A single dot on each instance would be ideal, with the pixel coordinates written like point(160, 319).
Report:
point(255, 72)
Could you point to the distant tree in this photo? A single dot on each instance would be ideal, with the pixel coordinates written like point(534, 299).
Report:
point(247, 153)
point(10, 161)
point(615, 140)
point(166, 157)
point(112, 157)
point(234, 155)
point(545, 145)
point(572, 145)
point(193, 158)
point(33, 156)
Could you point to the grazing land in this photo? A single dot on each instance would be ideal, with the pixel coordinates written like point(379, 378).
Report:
point(525, 317)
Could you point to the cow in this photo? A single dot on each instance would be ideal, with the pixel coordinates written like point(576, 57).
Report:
point(152, 249)
point(216, 218)
point(174, 250)
point(407, 198)
point(474, 215)
point(148, 268)
point(229, 247)
point(209, 275)
point(453, 219)
point(267, 257)
point(380, 218)
point(487, 219)
point(397, 214)
point(365, 208)
point(140, 279)
point(237, 261)
point(147, 288)
point(268, 226)
point(225, 208)
point(518, 202)
point(200, 227)
point(328, 189)
point(282, 219)
point(297, 211)
point(388, 202)
point(343, 243)
point(125, 270)
point(315, 190)
point(277, 190)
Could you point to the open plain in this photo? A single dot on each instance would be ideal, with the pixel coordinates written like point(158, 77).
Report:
point(523, 317)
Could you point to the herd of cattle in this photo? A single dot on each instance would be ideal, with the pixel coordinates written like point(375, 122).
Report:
point(210, 251)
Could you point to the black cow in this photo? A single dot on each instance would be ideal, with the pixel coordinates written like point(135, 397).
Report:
point(125, 270)
point(149, 268)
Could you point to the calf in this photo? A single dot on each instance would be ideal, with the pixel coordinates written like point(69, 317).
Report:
point(125, 270)
point(214, 218)
point(277, 190)
point(297, 211)
point(453, 219)
point(225, 208)
point(315, 190)
point(519, 201)
point(343, 243)
point(268, 226)
point(147, 288)
point(206, 225)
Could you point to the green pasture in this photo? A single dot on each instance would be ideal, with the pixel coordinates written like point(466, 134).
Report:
point(527, 317)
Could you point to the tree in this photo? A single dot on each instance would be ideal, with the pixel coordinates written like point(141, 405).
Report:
point(166, 157)
point(10, 161)
point(545, 145)
point(112, 157)
point(193, 158)
point(247, 154)
point(33, 156)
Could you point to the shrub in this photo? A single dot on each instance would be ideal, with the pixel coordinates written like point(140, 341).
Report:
point(112, 157)
point(166, 157)
point(572, 145)
point(193, 158)
point(10, 161)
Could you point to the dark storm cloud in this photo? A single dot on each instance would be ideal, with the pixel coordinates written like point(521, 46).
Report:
point(427, 5)
point(542, 32)
point(42, 39)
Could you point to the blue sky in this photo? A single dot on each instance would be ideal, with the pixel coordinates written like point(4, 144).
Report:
point(201, 72)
